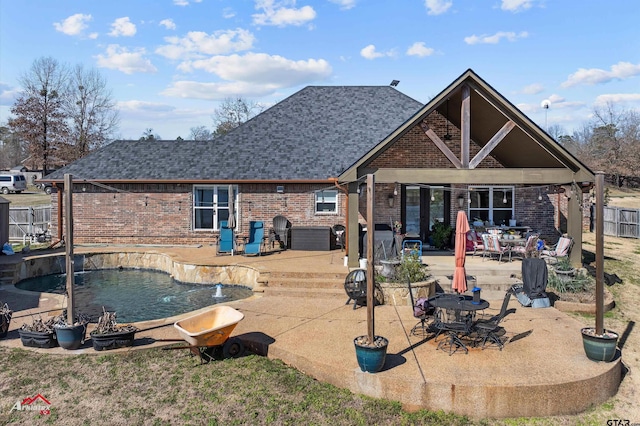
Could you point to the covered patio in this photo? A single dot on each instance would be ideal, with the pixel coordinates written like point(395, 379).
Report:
point(470, 137)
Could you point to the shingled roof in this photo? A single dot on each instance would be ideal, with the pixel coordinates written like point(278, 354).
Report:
point(314, 134)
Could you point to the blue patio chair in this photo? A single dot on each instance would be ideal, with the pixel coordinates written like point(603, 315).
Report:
point(254, 242)
point(226, 240)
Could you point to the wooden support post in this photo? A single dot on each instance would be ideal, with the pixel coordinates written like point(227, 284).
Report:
point(68, 192)
point(599, 253)
point(370, 252)
point(465, 126)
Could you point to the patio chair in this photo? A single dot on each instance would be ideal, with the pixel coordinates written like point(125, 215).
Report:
point(476, 241)
point(455, 329)
point(487, 329)
point(529, 246)
point(254, 243)
point(560, 250)
point(281, 228)
point(492, 242)
point(338, 232)
point(422, 310)
point(226, 240)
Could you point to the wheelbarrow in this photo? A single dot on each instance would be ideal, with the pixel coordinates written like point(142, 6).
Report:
point(207, 333)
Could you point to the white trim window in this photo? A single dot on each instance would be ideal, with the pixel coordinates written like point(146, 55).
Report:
point(494, 204)
point(326, 201)
point(211, 205)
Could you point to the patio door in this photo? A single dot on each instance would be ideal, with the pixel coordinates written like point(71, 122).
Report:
point(422, 207)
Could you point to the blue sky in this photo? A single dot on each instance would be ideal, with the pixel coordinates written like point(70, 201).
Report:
point(169, 63)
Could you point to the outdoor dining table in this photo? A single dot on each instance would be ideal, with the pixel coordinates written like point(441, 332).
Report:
point(459, 304)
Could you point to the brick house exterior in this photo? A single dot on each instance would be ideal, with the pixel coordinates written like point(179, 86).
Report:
point(325, 140)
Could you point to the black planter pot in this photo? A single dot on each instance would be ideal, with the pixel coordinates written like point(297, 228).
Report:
point(371, 358)
point(599, 348)
point(38, 339)
point(70, 336)
point(4, 325)
point(116, 340)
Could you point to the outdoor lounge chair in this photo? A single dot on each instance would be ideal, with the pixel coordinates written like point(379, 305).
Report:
point(281, 228)
point(476, 241)
point(529, 246)
point(226, 240)
point(561, 249)
point(255, 241)
point(493, 246)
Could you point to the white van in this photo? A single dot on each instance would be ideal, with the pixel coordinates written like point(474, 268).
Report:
point(11, 182)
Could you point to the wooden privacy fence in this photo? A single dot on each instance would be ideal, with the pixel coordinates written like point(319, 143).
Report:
point(622, 222)
point(29, 224)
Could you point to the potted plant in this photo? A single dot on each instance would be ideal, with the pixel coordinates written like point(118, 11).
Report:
point(38, 334)
point(71, 336)
point(5, 319)
point(564, 270)
point(109, 335)
point(441, 234)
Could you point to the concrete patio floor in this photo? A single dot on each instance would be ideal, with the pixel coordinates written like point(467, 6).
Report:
point(541, 371)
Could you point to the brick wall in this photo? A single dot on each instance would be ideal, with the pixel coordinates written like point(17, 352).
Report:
point(162, 214)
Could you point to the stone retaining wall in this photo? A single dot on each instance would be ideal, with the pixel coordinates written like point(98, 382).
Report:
point(183, 272)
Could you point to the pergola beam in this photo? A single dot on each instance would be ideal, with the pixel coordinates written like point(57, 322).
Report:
point(441, 145)
point(493, 142)
point(474, 176)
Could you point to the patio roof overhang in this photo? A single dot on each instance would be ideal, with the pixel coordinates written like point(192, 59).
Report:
point(528, 154)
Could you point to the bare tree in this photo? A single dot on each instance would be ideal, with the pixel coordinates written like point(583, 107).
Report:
point(39, 113)
point(232, 113)
point(611, 142)
point(148, 135)
point(11, 150)
point(200, 133)
point(92, 113)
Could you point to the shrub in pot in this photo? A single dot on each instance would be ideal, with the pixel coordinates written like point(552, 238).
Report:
point(39, 334)
point(109, 335)
point(5, 319)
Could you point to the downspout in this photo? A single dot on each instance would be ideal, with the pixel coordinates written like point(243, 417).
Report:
point(60, 234)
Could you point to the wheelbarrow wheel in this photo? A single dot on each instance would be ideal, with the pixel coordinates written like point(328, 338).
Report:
point(233, 348)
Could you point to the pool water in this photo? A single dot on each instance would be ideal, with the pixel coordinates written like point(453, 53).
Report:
point(134, 294)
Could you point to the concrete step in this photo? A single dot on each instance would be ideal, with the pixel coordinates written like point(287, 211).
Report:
point(309, 293)
point(310, 282)
point(302, 275)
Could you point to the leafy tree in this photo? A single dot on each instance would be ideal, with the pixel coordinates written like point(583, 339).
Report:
point(93, 117)
point(39, 110)
point(232, 113)
point(200, 133)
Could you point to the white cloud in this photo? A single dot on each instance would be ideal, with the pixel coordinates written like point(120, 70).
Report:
point(198, 43)
point(218, 91)
point(73, 25)
point(618, 98)
point(437, 7)
point(8, 94)
point(184, 2)
point(345, 4)
point(262, 69)
point(533, 89)
point(154, 107)
point(419, 49)
point(591, 76)
point(168, 24)
point(495, 38)
point(516, 5)
point(228, 13)
point(129, 62)
point(122, 27)
point(278, 15)
point(370, 52)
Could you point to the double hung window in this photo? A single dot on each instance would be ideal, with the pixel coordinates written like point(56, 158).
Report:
point(211, 206)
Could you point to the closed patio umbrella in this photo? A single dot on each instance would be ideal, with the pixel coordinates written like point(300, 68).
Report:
point(460, 275)
point(231, 222)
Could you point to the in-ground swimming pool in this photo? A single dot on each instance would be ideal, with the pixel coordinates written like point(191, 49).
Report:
point(135, 294)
